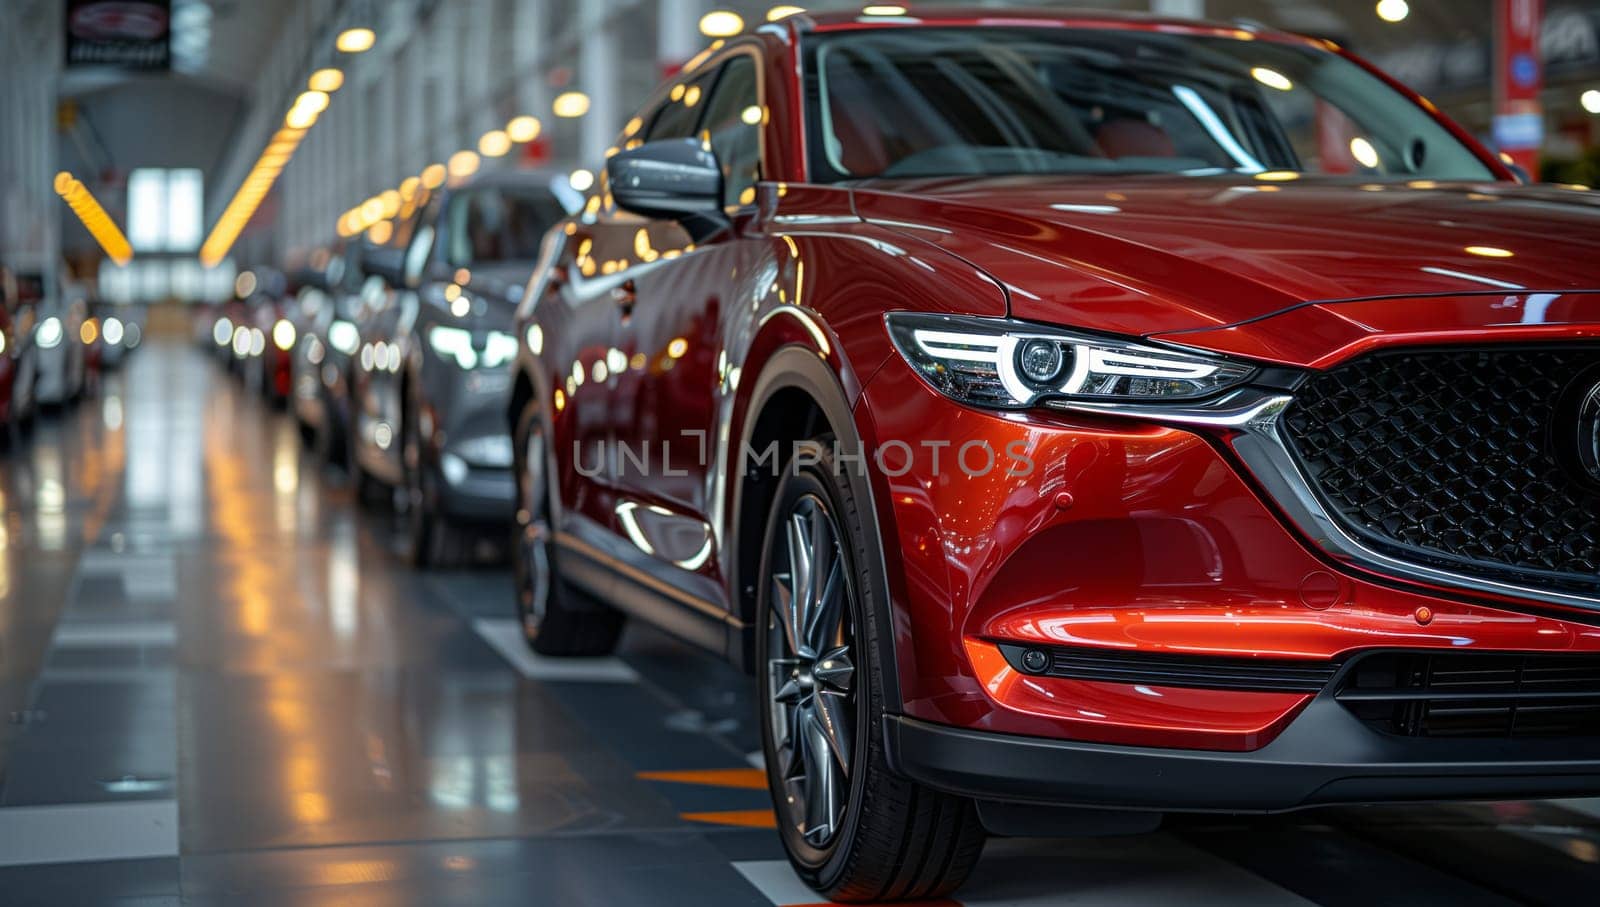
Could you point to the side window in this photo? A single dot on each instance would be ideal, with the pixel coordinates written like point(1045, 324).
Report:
point(681, 111)
point(733, 120)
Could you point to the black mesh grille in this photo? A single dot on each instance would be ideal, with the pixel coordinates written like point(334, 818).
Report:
point(1448, 458)
point(1461, 694)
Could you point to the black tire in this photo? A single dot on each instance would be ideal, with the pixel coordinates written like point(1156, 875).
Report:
point(557, 618)
point(432, 540)
point(892, 839)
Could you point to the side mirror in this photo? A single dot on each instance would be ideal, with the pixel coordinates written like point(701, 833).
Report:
point(671, 178)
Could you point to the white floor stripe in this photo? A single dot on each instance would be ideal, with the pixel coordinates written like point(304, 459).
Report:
point(506, 638)
point(88, 832)
point(116, 633)
point(1106, 872)
point(776, 880)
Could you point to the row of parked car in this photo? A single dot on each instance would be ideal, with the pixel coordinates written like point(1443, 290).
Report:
point(1048, 410)
point(394, 357)
point(54, 345)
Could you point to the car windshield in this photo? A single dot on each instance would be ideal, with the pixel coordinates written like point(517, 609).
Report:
point(493, 225)
point(917, 102)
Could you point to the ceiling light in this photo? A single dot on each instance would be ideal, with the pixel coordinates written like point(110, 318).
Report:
point(581, 180)
point(433, 176)
point(329, 80)
point(463, 164)
point(1272, 78)
point(1364, 153)
point(721, 23)
point(355, 40)
point(1393, 10)
point(523, 128)
point(494, 143)
point(1591, 101)
point(571, 104)
point(314, 101)
point(781, 12)
point(300, 118)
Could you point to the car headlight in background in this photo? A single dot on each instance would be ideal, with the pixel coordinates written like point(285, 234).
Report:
point(344, 337)
point(222, 332)
point(241, 342)
point(258, 342)
point(49, 334)
point(112, 330)
point(453, 343)
point(490, 451)
point(283, 335)
point(995, 362)
point(501, 349)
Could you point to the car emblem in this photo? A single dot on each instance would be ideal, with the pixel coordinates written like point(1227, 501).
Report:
point(1589, 433)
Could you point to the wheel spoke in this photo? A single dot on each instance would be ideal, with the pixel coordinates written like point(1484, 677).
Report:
point(823, 629)
point(833, 720)
point(822, 787)
point(799, 583)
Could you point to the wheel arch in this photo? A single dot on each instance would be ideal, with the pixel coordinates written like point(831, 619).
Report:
point(798, 396)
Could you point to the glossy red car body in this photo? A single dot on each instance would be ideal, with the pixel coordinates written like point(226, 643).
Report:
point(1133, 537)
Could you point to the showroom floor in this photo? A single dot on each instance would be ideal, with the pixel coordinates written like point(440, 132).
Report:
point(223, 688)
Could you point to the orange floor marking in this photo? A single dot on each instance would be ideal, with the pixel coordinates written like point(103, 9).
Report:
point(744, 818)
point(742, 778)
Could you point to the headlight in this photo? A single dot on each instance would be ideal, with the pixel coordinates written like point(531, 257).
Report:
point(49, 336)
point(283, 335)
point(453, 343)
point(995, 362)
point(502, 348)
point(344, 337)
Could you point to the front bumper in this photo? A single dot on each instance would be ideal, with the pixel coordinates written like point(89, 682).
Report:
point(1133, 538)
point(1324, 757)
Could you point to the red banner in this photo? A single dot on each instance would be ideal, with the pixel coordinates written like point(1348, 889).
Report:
point(1519, 76)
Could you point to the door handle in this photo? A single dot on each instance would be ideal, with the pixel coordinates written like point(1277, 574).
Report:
point(625, 295)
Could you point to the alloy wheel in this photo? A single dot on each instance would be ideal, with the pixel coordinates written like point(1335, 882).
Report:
point(811, 671)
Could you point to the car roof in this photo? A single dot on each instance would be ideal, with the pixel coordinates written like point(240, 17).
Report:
point(843, 20)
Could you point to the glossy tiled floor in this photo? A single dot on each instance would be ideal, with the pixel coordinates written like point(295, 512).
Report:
point(222, 687)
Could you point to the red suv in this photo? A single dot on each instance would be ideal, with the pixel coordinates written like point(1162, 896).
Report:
point(1074, 411)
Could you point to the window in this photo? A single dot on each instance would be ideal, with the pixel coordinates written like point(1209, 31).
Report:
point(680, 113)
point(936, 102)
point(164, 210)
point(499, 225)
point(733, 119)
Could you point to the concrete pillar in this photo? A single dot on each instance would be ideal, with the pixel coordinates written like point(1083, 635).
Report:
point(678, 32)
point(597, 76)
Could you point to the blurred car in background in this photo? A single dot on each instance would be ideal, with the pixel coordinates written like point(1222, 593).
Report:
point(272, 335)
point(120, 333)
point(431, 379)
point(63, 360)
point(329, 307)
point(18, 313)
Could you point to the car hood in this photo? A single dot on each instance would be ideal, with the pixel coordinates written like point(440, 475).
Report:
point(1156, 254)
